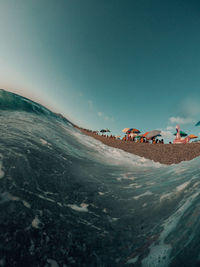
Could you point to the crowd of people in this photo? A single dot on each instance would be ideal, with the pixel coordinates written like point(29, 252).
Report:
point(142, 139)
point(130, 138)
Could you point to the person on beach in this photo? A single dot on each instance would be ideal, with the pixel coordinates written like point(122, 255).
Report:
point(132, 136)
point(153, 140)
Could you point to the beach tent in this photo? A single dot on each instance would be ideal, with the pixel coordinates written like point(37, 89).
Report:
point(182, 134)
point(152, 134)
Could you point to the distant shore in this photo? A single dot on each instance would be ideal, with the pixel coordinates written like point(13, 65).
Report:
point(162, 153)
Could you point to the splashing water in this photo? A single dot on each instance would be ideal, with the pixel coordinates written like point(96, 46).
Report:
point(69, 200)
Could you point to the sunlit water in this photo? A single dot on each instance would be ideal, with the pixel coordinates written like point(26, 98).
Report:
point(68, 200)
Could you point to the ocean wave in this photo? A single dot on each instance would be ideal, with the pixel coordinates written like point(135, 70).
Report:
point(64, 194)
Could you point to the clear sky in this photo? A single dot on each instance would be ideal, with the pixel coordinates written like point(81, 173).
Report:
point(106, 63)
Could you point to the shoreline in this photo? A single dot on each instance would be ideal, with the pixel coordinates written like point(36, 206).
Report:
point(163, 153)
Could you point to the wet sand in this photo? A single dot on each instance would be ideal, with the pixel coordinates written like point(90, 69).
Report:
point(163, 153)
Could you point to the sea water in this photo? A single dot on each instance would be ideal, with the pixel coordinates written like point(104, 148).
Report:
point(68, 200)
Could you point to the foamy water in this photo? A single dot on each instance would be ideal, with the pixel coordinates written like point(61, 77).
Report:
point(72, 195)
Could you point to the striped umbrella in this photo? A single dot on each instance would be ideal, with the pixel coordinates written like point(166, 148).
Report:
point(133, 130)
point(125, 130)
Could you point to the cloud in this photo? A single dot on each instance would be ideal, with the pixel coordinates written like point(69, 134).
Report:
point(181, 120)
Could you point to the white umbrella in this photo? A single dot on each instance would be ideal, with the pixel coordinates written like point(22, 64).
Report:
point(152, 134)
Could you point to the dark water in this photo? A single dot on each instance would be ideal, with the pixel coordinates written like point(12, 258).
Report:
point(68, 200)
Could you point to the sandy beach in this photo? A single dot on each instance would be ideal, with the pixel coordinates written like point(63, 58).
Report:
point(163, 153)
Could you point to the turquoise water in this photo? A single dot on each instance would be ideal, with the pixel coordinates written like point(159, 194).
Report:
point(68, 200)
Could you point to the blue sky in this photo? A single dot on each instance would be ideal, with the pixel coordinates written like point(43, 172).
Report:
point(106, 64)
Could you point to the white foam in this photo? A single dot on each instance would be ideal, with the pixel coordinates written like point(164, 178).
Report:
point(147, 193)
point(35, 223)
point(46, 198)
point(174, 193)
point(133, 260)
point(44, 142)
point(125, 176)
point(179, 169)
point(26, 204)
point(101, 193)
point(138, 186)
point(6, 196)
point(134, 185)
point(182, 186)
point(197, 183)
point(159, 251)
point(81, 208)
point(114, 219)
point(166, 196)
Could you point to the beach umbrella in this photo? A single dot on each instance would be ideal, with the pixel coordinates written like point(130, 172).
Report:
point(198, 123)
point(192, 136)
point(105, 131)
point(145, 134)
point(125, 130)
point(133, 130)
point(153, 133)
point(182, 134)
